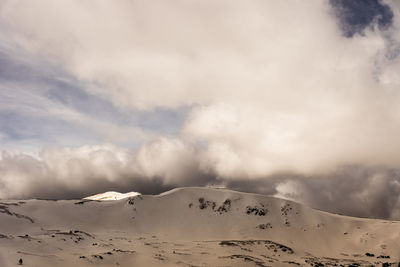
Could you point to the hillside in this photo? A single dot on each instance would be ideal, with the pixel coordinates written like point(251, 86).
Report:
point(190, 227)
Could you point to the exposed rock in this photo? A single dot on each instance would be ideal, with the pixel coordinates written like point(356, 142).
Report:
point(258, 211)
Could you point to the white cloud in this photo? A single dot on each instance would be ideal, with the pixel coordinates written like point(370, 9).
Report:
point(193, 52)
point(73, 171)
point(278, 85)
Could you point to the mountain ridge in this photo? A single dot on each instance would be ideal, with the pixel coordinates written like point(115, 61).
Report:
point(224, 223)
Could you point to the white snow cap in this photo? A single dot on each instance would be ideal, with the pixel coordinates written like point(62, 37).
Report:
point(111, 195)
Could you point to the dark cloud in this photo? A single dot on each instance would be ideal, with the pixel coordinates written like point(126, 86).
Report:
point(356, 15)
point(66, 173)
point(356, 191)
point(350, 190)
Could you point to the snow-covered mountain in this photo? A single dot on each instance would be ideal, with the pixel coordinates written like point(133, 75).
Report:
point(189, 227)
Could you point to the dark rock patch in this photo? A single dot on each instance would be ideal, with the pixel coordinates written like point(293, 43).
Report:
point(383, 257)
point(258, 211)
point(82, 232)
point(264, 226)
point(97, 256)
point(247, 258)
point(6, 210)
point(159, 257)
point(204, 204)
point(228, 243)
point(292, 262)
point(266, 243)
point(123, 251)
point(285, 209)
point(4, 236)
point(225, 207)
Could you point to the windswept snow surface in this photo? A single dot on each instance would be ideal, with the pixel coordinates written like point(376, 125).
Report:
point(111, 195)
point(190, 227)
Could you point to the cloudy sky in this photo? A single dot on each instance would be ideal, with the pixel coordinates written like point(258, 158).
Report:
point(298, 99)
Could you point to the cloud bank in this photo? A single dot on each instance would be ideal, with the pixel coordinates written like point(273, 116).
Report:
point(280, 95)
point(163, 164)
point(59, 172)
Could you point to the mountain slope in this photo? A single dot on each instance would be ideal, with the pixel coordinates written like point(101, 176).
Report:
point(189, 226)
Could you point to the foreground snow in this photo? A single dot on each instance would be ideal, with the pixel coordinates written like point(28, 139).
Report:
point(189, 226)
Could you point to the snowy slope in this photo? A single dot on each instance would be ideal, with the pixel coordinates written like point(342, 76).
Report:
point(189, 226)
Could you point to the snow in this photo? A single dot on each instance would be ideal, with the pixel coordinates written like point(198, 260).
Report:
point(111, 195)
point(194, 226)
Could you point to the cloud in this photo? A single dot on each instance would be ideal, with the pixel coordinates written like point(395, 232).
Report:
point(192, 52)
point(300, 96)
point(61, 172)
point(279, 95)
point(163, 164)
point(350, 190)
point(40, 104)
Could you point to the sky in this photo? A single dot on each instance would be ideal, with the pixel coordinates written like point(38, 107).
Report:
point(296, 99)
